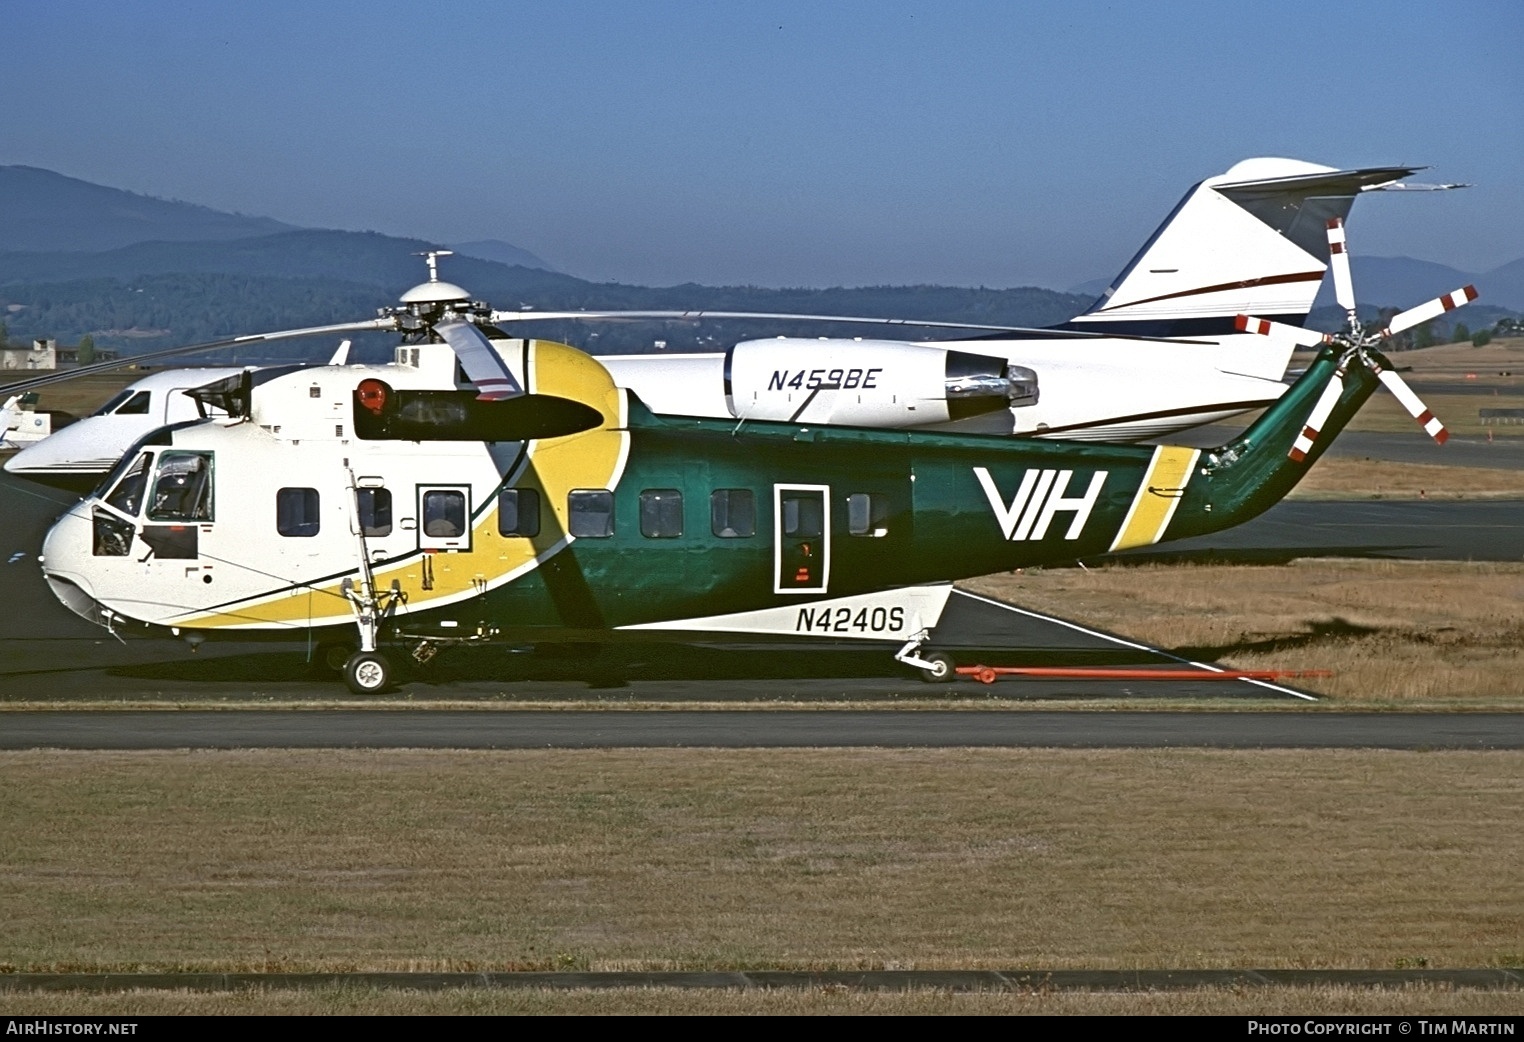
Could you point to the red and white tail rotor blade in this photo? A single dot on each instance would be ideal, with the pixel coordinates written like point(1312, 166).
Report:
point(1413, 404)
point(1338, 261)
point(1296, 334)
point(1319, 416)
point(1432, 309)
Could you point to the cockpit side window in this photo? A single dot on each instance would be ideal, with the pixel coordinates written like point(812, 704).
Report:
point(182, 488)
point(127, 496)
point(137, 405)
point(116, 399)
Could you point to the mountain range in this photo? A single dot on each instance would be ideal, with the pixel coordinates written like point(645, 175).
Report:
point(137, 272)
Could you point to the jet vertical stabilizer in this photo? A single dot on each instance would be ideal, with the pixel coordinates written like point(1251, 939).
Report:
point(1250, 241)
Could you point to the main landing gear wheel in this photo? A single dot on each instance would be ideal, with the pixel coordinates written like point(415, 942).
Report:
point(368, 673)
point(332, 656)
point(941, 670)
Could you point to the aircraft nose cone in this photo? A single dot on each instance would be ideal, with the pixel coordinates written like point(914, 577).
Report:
point(66, 556)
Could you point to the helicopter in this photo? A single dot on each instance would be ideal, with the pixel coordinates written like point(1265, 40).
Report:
point(1156, 354)
point(536, 500)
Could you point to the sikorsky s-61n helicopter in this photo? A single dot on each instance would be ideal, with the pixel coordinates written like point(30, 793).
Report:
point(535, 500)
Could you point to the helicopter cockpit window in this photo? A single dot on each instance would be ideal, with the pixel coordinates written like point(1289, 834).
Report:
point(444, 513)
point(733, 513)
point(127, 496)
point(182, 488)
point(296, 511)
point(592, 513)
point(375, 511)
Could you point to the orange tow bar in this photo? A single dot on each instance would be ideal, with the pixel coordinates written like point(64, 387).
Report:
point(989, 674)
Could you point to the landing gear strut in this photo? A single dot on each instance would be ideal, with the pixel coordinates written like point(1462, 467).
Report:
point(367, 671)
point(935, 668)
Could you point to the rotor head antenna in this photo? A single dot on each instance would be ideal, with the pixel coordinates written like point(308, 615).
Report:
point(431, 302)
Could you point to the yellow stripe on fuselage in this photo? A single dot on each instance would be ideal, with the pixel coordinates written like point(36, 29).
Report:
point(1168, 473)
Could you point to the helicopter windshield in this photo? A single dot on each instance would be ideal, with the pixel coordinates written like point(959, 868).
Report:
point(127, 496)
point(182, 489)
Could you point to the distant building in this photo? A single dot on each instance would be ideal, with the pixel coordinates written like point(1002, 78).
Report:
point(43, 354)
point(46, 354)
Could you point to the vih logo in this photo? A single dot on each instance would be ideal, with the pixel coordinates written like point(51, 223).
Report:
point(1041, 495)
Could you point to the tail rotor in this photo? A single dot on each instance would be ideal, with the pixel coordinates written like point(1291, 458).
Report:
point(1359, 344)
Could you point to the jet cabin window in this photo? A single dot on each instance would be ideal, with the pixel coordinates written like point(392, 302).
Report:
point(518, 512)
point(182, 490)
point(661, 513)
point(733, 513)
point(296, 512)
point(592, 513)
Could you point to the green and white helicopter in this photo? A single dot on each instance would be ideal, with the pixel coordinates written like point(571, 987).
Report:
point(497, 489)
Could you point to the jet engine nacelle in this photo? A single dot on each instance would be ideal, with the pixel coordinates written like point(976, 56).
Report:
point(869, 383)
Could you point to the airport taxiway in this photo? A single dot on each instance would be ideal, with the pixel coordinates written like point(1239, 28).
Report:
point(597, 729)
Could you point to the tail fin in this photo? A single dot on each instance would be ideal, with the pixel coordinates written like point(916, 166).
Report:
point(1251, 241)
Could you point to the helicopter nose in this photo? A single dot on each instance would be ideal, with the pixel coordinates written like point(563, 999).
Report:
point(66, 555)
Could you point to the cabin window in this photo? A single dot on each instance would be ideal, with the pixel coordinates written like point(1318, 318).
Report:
point(803, 514)
point(661, 513)
point(733, 513)
point(137, 405)
point(375, 511)
point(867, 514)
point(127, 496)
point(296, 511)
point(592, 513)
point(518, 512)
point(444, 513)
point(182, 489)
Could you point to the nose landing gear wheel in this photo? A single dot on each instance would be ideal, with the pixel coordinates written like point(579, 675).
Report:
point(368, 673)
point(941, 670)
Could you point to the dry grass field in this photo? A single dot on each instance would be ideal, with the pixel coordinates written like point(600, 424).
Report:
point(1434, 634)
point(698, 859)
point(1237, 1002)
point(747, 859)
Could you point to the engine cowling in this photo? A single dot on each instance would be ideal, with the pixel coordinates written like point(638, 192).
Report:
point(869, 383)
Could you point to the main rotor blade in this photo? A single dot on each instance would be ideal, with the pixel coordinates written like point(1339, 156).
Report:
point(1413, 404)
point(1338, 261)
point(211, 345)
point(1319, 416)
point(1432, 309)
point(501, 317)
point(482, 364)
point(1297, 334)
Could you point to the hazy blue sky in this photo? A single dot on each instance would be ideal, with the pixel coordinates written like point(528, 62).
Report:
point(777, 143)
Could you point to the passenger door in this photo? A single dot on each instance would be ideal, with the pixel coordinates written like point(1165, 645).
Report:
point(801, 538)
